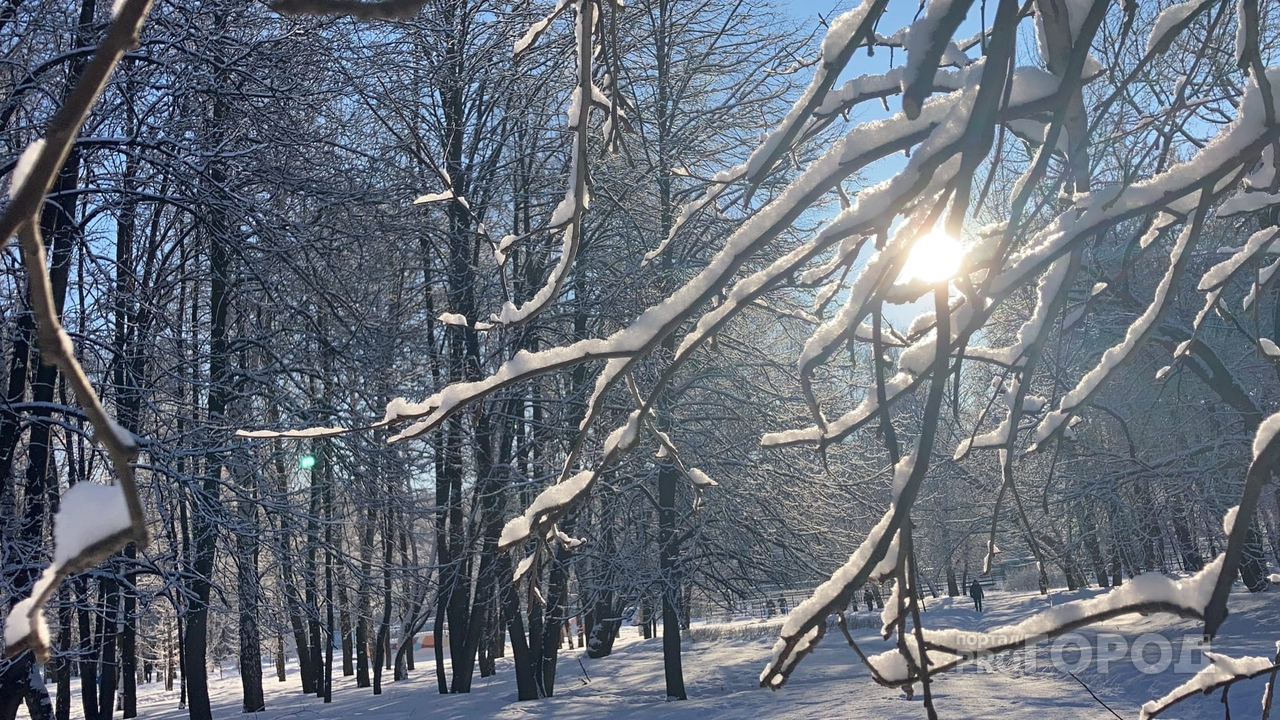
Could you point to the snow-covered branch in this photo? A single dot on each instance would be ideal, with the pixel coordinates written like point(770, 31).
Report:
point(87, 535)
point(1221, 672)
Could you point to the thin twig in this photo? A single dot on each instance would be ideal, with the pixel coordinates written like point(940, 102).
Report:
point(1095, 697)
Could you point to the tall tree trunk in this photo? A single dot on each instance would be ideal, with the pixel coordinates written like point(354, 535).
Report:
point(1253, 565)
point(182, 665)
point(280, 659)
point(363, 600)
point(411, 608)
point(88, 656)
point(489, 496)
point(129, 636)
point(171, 668)
point(196, 643)
point(310, 581)
point(126, 377)
point(1116, 575)
point(526, 686)
point(306, 669)
point(206, 498)
point(1089, 531)
point(384, 626)
point(537, 634)
point(672, 667)
point(445, 444)
point(1187, 552)
point(109, 613)
point(492, 644)
point(327, 475)
point(65, 617)
point(293, 602)
point(668, 475)
point(554, 623)
point(249, 594)
point(605, 616)
point(348, 666)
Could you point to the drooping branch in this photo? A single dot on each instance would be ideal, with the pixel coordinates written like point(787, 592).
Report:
point(101, 534)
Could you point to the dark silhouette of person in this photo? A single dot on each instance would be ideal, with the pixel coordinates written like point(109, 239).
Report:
point(975, 592)
point(868, 598)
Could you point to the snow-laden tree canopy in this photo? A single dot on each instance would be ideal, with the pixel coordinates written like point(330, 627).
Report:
point(1037, 134)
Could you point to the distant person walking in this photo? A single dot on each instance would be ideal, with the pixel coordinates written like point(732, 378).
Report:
point(975, 592)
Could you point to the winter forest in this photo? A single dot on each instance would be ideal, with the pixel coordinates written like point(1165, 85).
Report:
point(486, 358)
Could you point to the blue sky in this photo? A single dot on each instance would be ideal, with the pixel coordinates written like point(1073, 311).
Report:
point(899, 13)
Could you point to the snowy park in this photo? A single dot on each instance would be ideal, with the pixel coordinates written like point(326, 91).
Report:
point(723, 661)
point(647, 359)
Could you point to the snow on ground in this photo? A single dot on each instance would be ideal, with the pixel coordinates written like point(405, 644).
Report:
point(723, 660)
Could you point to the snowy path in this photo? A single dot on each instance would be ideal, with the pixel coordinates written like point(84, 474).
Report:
point(721, 680)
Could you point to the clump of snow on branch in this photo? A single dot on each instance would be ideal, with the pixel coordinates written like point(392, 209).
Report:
point(304, 433)
point(90, 517)
point(1222, 670)
point(443, 196)
point(562, 493)
point(1266, 433)
point(88, 513)
point(1167, 22)
point(567, 491)
point(26, 161)
point(1151, 591)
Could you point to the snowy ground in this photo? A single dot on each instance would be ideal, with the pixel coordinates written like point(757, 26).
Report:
point(723, 661)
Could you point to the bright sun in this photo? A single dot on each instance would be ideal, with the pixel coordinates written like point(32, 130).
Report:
point(935, 257)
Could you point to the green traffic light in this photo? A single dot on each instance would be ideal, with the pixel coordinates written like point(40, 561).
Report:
point(306, 462)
